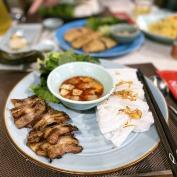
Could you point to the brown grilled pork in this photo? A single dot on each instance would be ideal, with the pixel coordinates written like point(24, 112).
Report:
point(25, 115)
point(51, 134)
point(65, 144)
point(25, 101)
point(50, 118)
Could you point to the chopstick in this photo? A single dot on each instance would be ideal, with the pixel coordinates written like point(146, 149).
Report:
point(163, 130)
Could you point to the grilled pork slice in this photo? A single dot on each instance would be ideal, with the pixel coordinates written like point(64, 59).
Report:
point(60, 130)
point(51, 133)
point(20, 102)
point(73, 34)
point(36, 148)
point(50, 118)
point(84, 39)
point(65, 144)
point(27, 114)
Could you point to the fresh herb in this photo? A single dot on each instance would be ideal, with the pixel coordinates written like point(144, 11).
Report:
point(42, 91)
point(55, 59)
point(97, 22)
point(61, 10)
point(51, 61)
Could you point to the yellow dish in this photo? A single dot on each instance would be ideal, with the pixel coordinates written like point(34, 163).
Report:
point(166, 27)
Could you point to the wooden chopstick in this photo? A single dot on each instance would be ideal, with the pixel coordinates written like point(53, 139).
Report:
point(164, 133)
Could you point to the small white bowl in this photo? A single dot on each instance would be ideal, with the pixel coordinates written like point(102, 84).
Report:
point(66, 71)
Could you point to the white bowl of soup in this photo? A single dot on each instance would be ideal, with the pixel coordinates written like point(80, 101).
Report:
point(80, 85)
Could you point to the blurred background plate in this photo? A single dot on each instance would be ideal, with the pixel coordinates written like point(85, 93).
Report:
point(145, 20)
point(120, 49)
point(31, 32)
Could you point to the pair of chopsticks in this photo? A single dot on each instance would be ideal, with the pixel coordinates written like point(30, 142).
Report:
point(163, 130)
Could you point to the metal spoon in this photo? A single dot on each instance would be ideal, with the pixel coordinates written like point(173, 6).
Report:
point(163, 87)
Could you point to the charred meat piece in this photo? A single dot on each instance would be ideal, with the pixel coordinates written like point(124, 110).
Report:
point(50, 118)
point(28, 113)
point(51, 133)
point(60, 130)
point(65, 144)
point(36, 148)
point(20, 102)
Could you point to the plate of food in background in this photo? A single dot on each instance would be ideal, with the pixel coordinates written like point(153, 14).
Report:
point(94, 37)
point(106, 138)
point(72, 10)
point(160, 26)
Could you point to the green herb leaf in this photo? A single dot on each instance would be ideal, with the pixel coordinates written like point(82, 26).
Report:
point(42, 91)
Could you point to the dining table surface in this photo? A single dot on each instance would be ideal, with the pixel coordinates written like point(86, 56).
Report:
point(151, 56)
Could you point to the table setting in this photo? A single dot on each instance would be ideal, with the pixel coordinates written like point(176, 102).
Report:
point(88, 88)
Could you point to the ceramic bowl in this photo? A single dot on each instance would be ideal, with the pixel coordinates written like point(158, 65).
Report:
point(125, 33)
point(66, 71)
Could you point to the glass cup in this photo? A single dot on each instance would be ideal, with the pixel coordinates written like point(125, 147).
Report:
point(142, 7)
point(5, 19)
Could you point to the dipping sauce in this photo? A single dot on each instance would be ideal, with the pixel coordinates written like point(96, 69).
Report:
point(81, 88)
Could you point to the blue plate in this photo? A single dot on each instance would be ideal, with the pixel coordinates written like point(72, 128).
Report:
point(120, 49)
point(99, 155)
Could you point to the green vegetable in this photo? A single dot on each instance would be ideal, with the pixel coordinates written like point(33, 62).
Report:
point(42, 91)
point(54, 59)
point(61, 10)
point(96, 22)
point(51, 61)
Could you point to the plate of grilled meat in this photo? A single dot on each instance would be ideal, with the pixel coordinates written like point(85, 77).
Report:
point(83, 39)
point(106, 138)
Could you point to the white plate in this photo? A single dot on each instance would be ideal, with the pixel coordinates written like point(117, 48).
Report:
point(145, 20)
point(30, 31)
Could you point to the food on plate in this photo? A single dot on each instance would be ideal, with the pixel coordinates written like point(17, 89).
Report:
point(126, 110)
point(166, 27)
point(126, 94)
point(81, 88)
point(96, 22)
point(18, 42)
point(50, 62)
point(27, 111)
point(51, 136)
point(73, 34)
point(99, 44)
point(71, 9)
point(84, 39)
point(132, 113)
point(91, 41)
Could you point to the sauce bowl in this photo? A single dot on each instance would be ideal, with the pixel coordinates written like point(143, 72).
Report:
point(69, 70)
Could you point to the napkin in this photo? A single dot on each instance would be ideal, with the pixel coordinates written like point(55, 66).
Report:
point(171, 78)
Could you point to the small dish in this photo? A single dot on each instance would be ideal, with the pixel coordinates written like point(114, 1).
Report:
point(124, 33)
point(66, 71)
point(52, 23)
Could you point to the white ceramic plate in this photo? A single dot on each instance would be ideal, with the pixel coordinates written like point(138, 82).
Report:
point(31, 33)
point(145, 20)
point(99, 155)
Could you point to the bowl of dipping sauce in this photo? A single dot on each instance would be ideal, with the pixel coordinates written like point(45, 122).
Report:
point(124, 33)
point(80, 85)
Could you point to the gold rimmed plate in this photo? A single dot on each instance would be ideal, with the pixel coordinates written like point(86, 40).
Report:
point(99, 155)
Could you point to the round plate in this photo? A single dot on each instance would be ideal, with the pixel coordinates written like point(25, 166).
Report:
point(99, 155)
point(145, 20)
point(120, 49)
